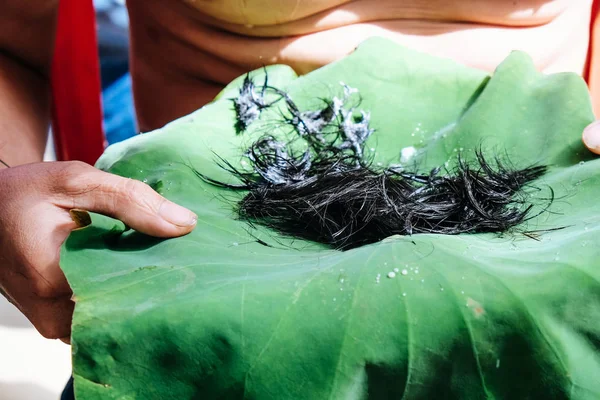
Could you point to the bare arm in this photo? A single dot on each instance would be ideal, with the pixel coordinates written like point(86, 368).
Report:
point(27, 31)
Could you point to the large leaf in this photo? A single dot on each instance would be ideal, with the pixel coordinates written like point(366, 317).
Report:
point(218, 315)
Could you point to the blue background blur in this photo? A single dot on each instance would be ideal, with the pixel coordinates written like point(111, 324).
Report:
point(113, 43)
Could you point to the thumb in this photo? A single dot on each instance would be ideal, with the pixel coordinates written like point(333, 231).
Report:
point(133, 202)
point(591, 137)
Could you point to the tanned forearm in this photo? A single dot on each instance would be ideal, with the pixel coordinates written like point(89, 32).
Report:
point(27, 31)
point(24, 113)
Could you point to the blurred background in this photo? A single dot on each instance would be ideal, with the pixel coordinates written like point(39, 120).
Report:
point(31, 367)
point(113, 40)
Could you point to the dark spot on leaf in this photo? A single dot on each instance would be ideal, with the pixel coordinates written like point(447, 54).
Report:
point(148, 268)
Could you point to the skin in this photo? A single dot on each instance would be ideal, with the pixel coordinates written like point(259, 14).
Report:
point(183, 53)
point(36, 197)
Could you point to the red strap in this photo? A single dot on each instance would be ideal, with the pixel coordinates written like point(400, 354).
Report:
point(75, 80)
point(595, 12)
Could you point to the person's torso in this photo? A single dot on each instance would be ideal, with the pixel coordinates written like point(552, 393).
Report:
point(185, 51)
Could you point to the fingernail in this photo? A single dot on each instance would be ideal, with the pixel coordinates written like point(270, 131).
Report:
point(80, 217)
point(177, 215)
point(591, 137)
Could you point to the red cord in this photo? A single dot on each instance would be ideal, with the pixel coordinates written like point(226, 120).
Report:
point(75, 81)
point(595, 11)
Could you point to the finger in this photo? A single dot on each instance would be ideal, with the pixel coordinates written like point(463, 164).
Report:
point(591, 137)
point(42, 230)
point(51, 316)
point(131, 201)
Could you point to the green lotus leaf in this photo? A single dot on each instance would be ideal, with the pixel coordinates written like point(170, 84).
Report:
point(238, 312)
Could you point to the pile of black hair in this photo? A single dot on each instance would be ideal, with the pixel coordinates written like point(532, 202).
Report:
point(328, 190)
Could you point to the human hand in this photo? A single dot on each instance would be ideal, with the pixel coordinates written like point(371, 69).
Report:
point(591, 137)
point(35, 201)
